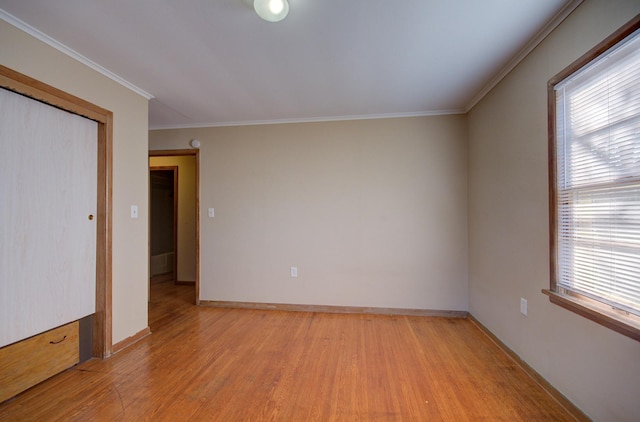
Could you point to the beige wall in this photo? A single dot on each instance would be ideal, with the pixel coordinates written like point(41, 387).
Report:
point(25, 54)
point(372, 212)
point(596, 368)
point(186, 212)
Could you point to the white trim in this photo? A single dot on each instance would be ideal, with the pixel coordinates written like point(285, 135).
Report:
point(71, 53)
point(310, 119)
point(528, 48)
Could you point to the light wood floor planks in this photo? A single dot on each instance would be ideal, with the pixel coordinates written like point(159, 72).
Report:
point(248, 365)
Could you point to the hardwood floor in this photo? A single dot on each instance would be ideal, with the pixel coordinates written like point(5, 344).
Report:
point(251, 365)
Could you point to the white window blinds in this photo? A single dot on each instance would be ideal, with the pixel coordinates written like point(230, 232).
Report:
point(598, 179)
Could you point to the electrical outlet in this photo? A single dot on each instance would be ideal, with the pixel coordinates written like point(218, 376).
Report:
point(523, 306)
point(294, 271)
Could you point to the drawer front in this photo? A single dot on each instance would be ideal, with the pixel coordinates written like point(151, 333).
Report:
point(28, 362)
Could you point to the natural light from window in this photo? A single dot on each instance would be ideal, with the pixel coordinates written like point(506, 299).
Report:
point(598, 179)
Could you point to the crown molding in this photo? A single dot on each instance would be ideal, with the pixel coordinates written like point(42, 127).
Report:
point(308, 120)
point(12, 20)
point(526, 50)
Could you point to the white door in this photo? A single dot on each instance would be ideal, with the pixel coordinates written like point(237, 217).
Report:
point(48, 181)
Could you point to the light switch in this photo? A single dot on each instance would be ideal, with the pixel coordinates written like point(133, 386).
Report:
point(134, 211)
point(211, 213)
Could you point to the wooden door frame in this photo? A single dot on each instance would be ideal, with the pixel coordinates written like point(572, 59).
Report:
point(196, 153)
point(39, 91)
point(175, 214)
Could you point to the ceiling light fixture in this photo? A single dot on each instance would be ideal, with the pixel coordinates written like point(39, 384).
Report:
point(271, 10)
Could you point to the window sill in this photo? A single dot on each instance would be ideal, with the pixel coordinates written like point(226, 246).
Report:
point(603, 315)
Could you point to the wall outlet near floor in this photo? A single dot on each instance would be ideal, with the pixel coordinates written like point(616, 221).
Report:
point(294, 271)
point(523, 306)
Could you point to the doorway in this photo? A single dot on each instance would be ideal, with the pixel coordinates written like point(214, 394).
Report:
point(163, 220)
point(174, 221)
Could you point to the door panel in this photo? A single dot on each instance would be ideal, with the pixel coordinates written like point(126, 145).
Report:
point(48, 171)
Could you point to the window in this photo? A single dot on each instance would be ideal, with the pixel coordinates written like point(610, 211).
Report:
point(594, 144)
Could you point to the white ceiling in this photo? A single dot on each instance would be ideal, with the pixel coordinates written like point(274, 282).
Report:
point(215, 62)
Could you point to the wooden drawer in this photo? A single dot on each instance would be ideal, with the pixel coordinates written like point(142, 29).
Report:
point(28, 362)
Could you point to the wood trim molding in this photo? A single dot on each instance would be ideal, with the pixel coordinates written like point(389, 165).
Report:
point(333, 309)
point(32, 88)
point(37, 90)
point(623, 32)
point(627, 29)
point(102, 330)
point(552, 180)
point(578, 414)
point(172, 152)
point(129, 341)
point(628, 325)
point(197, 228)
point(586, 308)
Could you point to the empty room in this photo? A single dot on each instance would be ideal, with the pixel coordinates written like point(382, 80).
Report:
point(292, 210)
